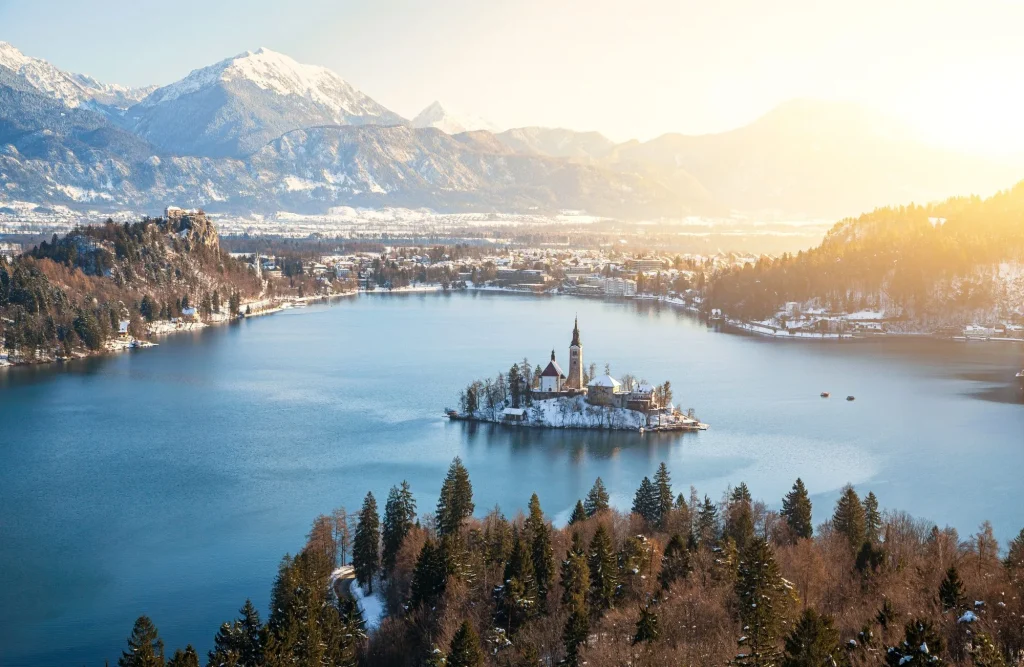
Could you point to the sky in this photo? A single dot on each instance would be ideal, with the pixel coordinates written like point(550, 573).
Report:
point(633, 69)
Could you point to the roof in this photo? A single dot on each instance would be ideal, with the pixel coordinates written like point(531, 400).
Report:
point(552, 370)
point(604, 381)
point(575, 334)
point(514, 412)
point(644, 389)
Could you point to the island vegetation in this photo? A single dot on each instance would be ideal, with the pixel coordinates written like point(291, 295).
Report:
point(679, 580)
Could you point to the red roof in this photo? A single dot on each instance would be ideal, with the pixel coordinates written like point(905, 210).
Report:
point(552, 370)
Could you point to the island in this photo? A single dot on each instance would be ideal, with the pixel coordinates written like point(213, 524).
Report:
point(550, 398)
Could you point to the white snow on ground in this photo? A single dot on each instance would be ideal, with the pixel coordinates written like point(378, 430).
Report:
point(574, 412)
point(372, 606)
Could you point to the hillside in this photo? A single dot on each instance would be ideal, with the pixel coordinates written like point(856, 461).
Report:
point(69, 296)
point(958, 261)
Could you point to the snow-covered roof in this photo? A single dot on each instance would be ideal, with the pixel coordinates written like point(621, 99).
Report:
point(604, 381)
point(514, 412)
point(644, 388)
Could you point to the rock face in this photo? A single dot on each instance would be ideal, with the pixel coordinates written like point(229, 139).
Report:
point(193, 227)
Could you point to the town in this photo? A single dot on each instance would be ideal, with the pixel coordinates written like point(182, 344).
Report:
point(553, 398)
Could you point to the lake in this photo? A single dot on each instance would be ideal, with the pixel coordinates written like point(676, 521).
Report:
point(170, 481)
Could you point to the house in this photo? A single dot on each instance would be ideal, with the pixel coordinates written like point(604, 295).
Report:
point(122, 327)
point(513, 415)
point(604, 390)
point(189, 314)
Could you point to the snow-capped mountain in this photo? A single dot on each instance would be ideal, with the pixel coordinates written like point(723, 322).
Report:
point(236, 106)
point(73, 90)
point(450, 121)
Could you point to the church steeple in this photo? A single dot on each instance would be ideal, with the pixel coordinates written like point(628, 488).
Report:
point(576, 333)
point(575, 379)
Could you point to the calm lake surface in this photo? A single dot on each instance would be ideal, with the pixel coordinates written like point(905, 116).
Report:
point(171, 481)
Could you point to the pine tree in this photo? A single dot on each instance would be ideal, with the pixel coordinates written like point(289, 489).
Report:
point(675, 562)
point(796, 510)
point(603, 571)
point(663, 483)
point(366, 544)
point(517, 598)
point(951, 591)
point(574, 634)
point(646, 626)
point(985, 654)
point(739, 520)
point(848, 519)
point(456, 502)
point(579, 513)
point(645, 502)
point(145, 649)
point(541, 553)
point(1014, 561)
point(814, 642)
point(430, 576)
point(575, 576)
point(184, 658)
point(465, 648)
point(239, 643)
point(399, 515)
point(921, 647)
point(872, 519)
point(762, 605)
point(707, 523)
point(597, 499)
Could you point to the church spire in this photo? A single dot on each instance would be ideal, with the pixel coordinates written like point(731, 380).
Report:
point(576, 333)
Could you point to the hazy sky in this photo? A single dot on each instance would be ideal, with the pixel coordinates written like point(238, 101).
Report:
point(637, 68)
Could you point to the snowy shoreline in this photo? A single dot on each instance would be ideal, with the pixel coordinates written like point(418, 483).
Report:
point(574, 412)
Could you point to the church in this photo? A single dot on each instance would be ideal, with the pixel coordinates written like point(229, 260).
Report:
point(602, 390)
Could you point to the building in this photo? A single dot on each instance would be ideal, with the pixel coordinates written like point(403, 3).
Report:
point(604, 390)
point(575, 378)
point(642, 265)
point(552, 378)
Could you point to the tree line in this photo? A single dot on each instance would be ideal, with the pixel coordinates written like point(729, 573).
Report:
point(678, 580)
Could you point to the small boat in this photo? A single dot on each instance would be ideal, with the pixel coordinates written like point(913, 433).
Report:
point(825, 394)
point(851, 398)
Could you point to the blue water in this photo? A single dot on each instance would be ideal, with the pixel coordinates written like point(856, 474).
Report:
point(171, 481)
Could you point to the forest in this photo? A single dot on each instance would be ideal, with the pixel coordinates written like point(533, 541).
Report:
point(679, 580)
point(915, 260)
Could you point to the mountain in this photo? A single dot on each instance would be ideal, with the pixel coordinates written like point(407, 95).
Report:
point(233, 108)
point(449, 121)
point(557, 142)
point(817, 159)
point(73, 90)
point(397, 165)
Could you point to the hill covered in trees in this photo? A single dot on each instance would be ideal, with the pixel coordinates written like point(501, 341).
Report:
point(69, 296)
point(680, 580)
point(957, 261)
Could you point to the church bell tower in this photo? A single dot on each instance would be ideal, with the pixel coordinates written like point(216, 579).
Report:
point(575, 379)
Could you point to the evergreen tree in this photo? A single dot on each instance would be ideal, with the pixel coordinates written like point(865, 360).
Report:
point(814, 642)
point(465, 648)
point(921, 647)
point(872, 519)
point(575, 575)
point(848, 519)
point(603, 571)
point(1014, 561)
point(597, 499)
point(430, 576)
point(646, 626)
point(574, 634)
point(762, 605)
point(675, 562)
point(796, 510)
point(663, 483)
point(239, 643)
point(456, 502)
point(579, 513)
point(399, 515)
point(951, 591)
point(739, 520)
point(985, 654)
point(517, 598)
point(366, 544)
point(541, 553)
point(645, 502)
point(184, 658)
point(145, 648)
point(707, 523)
